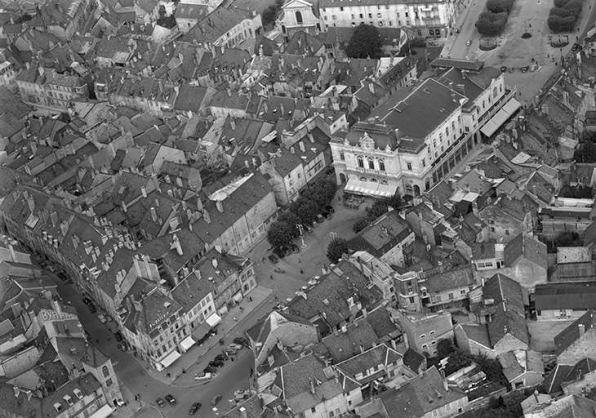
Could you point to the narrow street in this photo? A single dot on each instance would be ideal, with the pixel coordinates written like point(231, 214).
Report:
point(233, 375)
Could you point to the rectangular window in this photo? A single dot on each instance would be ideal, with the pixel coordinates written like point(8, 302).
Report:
point(360, 162)
point(382, 165)
point(371, 164)
point(341, 9)
point(370, 15)
point(409, 166)
point(109, 382)
point(313, 409)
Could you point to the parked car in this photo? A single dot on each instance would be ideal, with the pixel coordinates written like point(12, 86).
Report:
point(119, 402)
point(87, 301)
point(329, 209)
point(122, 346)
point(241, 340)
point(102, 318)
point(92, 308)
point(273, 258)
point(118, 336)
point(241, 394)
point(209, 369)
point(171, 400)
point(216, 363)
point(469, 42)
point(320, 218)
point(160, 402)
point(194, 408)
point(220, 357)
point(215, 400)
point(235, 347)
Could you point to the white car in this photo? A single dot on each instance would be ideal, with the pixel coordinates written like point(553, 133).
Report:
point(119, 402)
point(102, 318)
point(205, 376)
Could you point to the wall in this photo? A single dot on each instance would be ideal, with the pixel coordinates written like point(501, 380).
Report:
point(506, 344)
point(553, 314)
point(580, 387)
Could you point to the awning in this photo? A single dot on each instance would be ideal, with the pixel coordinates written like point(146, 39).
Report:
point(370, 188)
point(186, 343)
point(213, 320)
point(501, 117)
point(355, 186)
point(103, 412)
point(170, 358)
point(201, 331)
point(238, 296)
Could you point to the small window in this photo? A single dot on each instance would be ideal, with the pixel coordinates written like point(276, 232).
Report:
point(109, 382)
point(409, 166)
point(382, 165)
point(423, 336)
point(313, 409)
point(342, 156)
point(371, 164)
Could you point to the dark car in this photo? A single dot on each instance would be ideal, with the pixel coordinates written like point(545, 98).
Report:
point(241, 340)
point(87, 301)
point(504, 69)
point(273, 258)
point(215, 400)
point(160, 402)
point(122, 346)
point(525, 69)
point(171, 400)
point(209, 369)
point(118, 336)
point(329, 209)
point(194, 408)
point(216, 363)
point(92, 308)
point(219, 357)
point(320, 218)
point(279, 252)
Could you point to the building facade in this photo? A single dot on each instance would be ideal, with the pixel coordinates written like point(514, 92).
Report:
point(427, 18)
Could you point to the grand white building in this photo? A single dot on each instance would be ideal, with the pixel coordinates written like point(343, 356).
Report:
point(414, 144)
point(426, 17)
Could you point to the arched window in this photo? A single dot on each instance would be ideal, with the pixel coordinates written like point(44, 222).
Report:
point(360, 162)
point(299, 18)
point(495, 93)
point(105, 371)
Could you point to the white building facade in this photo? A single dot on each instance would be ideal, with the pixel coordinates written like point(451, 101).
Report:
point(427, 18)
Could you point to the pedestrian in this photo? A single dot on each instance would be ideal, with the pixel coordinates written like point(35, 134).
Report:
point(250, 298)
point(271, 276)
point(97, 340)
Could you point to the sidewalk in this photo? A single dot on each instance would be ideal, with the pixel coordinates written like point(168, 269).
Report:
point(183, 371)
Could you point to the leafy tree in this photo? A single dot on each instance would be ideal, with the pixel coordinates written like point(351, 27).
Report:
point(360, 224)
point(491, 24)
point(492, 368)
point(365, 42)
point(336, 249)
point(457, 360)
point(499, 6)
point(577, 192)
point(280, 234)
point(567, 239)
point(269, 15)
point(586, 153)
point(445, 348)
point(291, 219)
point(306, 209)
point(394, 201)
point(378, 208)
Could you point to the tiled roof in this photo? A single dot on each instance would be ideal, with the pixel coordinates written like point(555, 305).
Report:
point(413, 360)
point(528, 247)
point(458, 277)
point(357, 337)
point(329, 297)
point(381, 355)
point(384, 234)
point(419, 396)
point(191, 291)
point(577, 296)
point(572, 333)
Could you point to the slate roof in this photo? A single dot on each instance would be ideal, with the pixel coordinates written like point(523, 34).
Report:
point(329, 297)
point(571, 334)
point(528, 247)
point(295, 381)
point(458, 277)
point(384, 234)
point(343, 345)
point(421, 112)
point(381, 355)
point(419, 396)
point(509, 314)
point(413, 360)
point(554, 296)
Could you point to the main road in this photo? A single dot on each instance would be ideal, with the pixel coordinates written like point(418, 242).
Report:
point(233, 376)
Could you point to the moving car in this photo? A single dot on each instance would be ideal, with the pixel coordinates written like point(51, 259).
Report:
point(160, 402)
point(171, 400)
point(194, 408)
point(215, 400)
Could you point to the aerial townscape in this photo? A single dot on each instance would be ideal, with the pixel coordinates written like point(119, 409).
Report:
point(297, 208)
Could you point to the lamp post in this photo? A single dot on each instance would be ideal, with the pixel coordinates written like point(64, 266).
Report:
point(301, 230)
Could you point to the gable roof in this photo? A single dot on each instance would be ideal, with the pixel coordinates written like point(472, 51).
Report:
point(384, 234)
point(381, 355)
point(524, 245)
point(419, 396)
point(572, 333)
point(577, 296)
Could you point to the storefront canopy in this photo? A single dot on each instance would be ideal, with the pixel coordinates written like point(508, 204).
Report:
point(186, 343)
point(370, 188)
point(170, 358)
point(500, 118)
point(103, 412)
point(213, 320)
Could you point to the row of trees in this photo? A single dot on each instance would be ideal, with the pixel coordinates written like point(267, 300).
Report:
point(564, 15)
point(303, 211)
point(493, 21)
point(379, 208)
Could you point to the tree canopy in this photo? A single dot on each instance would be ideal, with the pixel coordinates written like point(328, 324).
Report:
point(365, 42)
point(336, 249)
